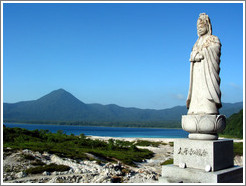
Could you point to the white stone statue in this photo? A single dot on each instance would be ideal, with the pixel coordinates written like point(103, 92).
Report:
point(204, 98)
point(204, 93)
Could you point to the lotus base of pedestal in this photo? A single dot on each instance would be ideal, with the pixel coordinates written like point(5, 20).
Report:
point(203, 126)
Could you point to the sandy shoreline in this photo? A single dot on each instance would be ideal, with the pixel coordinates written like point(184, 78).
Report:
point(164, 140)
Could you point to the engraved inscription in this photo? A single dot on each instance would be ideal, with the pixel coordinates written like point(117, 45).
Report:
point(191, 152)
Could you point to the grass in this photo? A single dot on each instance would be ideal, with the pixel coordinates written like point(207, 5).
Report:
point(167, 162)
point(238, 148)
point(228, 136)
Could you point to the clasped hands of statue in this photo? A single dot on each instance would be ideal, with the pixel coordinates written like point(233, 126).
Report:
point(196, 56)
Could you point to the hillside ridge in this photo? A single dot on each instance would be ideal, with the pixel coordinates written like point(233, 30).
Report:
point(60, 105)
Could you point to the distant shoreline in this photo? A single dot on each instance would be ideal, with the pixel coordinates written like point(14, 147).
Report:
point(153, 139)
point(105, 131)
point(87, 125)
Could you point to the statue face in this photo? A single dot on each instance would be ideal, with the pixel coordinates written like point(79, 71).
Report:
point(201, 27)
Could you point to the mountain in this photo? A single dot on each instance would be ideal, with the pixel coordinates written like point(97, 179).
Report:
point(230, 108)
point(60, 105)
point(234, 125)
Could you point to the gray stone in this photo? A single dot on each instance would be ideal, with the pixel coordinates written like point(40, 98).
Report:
point(45, 173)
point(200, 136)
point(20, 174)
point(218, 154)
point(202, 158)
point(208, 168)
point(204, 92)
point(182, 165)
point(174, 174)
point(204, 96)
point(203, 126)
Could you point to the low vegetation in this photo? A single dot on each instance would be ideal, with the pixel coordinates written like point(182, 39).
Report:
point(149, 143)
point(169, 161)
point(72, 146)
point(171, 144)
point(49, 168)
point(238, 148)
point(28, 157)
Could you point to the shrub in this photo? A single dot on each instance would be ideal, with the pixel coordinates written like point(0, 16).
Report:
point(49, 168)
point(171, 144)
point(116, 179)
point(28, 157)
point(38, 163)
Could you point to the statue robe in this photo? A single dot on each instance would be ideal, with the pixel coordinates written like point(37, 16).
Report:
point(204, 95)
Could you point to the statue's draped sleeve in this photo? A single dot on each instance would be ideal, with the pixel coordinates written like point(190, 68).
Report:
point(211, 62)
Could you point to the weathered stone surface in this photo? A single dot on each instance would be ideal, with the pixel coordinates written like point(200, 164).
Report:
point(204, 97)
point(83, 171)
point(203, 124)
point(20, 174)
point(45, 173)
point(204, 93)
point(218, 154)
point(174, 174)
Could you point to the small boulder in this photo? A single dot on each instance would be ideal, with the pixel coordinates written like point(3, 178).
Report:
point(45, 173)
point(20, 175)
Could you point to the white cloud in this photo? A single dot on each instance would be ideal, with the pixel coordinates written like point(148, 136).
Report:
point(234, 85)
point(178, 96)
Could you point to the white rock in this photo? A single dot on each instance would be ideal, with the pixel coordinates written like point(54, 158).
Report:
point(182, 165)
point(207, 168)
point(26, 151)
point(71, 171)
point(20, 175)
point(45, 173)
point(54, 173)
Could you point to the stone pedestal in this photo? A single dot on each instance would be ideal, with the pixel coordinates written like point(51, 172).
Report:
point(203, 126)
point(202, 161)
point(174, 174)
point(202, 157)
point(201, 154)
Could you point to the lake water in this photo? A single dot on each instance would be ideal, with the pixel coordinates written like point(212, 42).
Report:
point(107, 131)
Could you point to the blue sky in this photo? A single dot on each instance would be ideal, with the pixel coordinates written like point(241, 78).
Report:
point(129, 54)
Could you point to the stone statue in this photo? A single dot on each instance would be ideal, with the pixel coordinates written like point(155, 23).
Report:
point(203, 158)
point(204, 97)
point(204, 93)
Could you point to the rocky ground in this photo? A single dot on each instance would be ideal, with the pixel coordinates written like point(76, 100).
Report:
point(15, 163)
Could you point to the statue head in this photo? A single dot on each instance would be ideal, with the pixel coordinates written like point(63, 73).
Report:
point(204, 25)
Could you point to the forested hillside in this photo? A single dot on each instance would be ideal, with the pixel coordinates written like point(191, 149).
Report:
point(234, 125)
point(61, 107)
